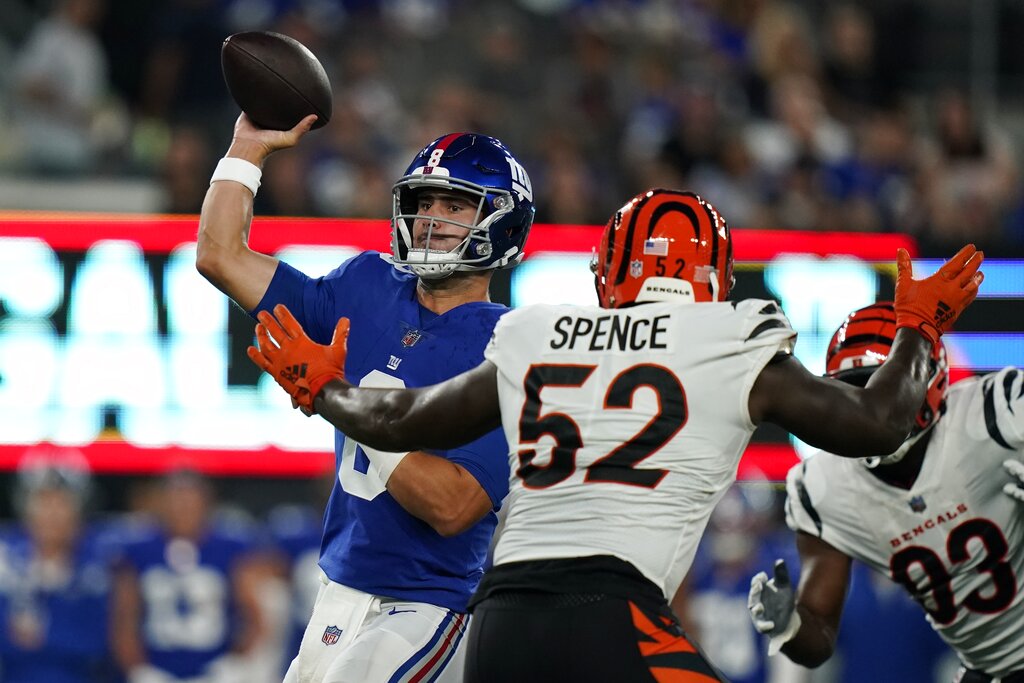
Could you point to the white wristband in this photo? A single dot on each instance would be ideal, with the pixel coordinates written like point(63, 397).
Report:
point(384, 462)
point(239, 171)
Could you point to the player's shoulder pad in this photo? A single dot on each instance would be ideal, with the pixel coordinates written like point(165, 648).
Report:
point(806, 488)
point(1002, 400)
point(765, 323)
point(521, 319)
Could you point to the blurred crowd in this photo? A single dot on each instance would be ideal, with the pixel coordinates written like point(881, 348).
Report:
point(803, 115)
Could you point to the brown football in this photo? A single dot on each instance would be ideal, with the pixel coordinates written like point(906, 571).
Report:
point(275, 79)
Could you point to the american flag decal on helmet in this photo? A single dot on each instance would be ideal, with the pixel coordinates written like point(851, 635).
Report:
point(656, 247)
point(331, 635)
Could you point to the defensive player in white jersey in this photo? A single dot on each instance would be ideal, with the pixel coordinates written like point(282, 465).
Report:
point(626, 424)
point(941, 515)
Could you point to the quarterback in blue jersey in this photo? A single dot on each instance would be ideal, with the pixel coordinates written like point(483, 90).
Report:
point(405, 535)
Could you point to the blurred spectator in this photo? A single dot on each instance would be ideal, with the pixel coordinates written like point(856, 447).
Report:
point(54, 580)
point(60, 82)
point(854, 87)
point(698, 132)
point(286, 189)
point(186, 592)
point(182, 82)
point(876, 187)
point(780, 46)
point(186, 170)
point(970, 174)
point(567, 190)
point(732, 179)
point(795, 148)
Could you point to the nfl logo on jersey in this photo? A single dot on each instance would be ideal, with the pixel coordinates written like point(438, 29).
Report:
point(411, 337)
point(331, 635)
point(917, 504)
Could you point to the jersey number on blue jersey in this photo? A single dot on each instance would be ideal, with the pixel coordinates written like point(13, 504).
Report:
point(619, 466)
point(185, 610)
point(366, 485)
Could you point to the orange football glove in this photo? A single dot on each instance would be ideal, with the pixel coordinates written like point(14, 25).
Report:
point(933, 304)
point(297, 363)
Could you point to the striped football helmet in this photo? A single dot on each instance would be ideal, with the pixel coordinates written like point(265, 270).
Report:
point(663, 245)
point(861, 345)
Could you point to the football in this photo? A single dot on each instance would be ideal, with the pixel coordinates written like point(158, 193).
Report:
point(275, 79)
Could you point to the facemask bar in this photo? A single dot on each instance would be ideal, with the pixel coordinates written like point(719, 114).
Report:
point(472, 253)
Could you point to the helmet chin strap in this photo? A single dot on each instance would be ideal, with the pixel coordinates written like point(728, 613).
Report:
point(898, 454)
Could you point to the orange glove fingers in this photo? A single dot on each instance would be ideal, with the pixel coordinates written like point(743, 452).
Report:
point(272, 326)
point(967, 275)
point(291, 326)
point(931, 305)
point(266, 344)
point(259, 359)
point(340, 335)
point(950, 268)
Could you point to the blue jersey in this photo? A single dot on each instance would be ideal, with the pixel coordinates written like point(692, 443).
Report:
point(65, 616)
point(370, 542)
point(188, 607)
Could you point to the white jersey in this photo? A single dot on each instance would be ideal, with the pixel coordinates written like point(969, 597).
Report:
point(954, 540)
point(626, 426)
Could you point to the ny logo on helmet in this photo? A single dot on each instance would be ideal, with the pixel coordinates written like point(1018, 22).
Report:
point(520, 181)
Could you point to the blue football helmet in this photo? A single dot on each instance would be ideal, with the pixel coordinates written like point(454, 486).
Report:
point(482, 169)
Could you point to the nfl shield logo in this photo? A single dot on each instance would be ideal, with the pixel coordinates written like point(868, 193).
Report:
point(917, 504)
point(411, 337)
point(331, 635)
point(636, 268)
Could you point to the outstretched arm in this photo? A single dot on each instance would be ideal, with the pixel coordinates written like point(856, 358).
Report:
point(841, 418)
point(223, 255)
point(875, 420)
point(445, 415)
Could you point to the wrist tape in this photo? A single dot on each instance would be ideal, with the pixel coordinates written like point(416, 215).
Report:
point(239, 171)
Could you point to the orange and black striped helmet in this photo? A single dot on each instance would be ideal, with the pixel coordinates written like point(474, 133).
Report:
point(861, 345)
point(663, 245)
